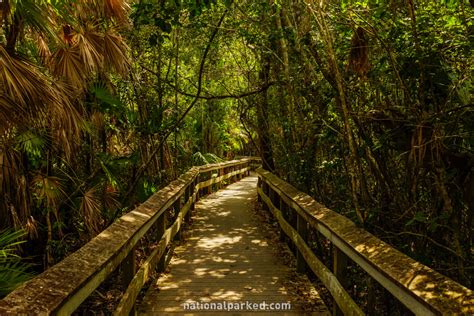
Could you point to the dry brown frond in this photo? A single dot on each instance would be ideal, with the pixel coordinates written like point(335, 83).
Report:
point(14, 190)
point(110, 197)
point(98, 120)
point(10, 113)
point(116, 53)
point(67, 64)
point(359, 54)
point(65, 121)
point(90, 211)
point(43, 50)
point(89, 51)
point(21, 82)
point(31, 227)
point(117, 9)
point(95, 39)
point(49, 189)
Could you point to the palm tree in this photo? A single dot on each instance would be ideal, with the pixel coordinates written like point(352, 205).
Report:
point(47, 62)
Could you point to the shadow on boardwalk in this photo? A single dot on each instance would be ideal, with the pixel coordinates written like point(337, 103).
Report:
point(226, 260)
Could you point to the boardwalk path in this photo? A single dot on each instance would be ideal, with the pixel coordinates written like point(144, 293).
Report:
point(226, 258)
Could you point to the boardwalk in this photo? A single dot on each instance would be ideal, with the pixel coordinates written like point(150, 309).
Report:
point(232, 260)
point(226, 258)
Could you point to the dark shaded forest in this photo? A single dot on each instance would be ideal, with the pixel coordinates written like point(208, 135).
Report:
point(367, 106)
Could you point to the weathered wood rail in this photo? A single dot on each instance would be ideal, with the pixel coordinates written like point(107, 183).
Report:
point(421, 289)
point(61, 289)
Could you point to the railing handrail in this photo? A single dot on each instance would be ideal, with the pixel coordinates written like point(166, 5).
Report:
point(63, 287)
point(421, 289)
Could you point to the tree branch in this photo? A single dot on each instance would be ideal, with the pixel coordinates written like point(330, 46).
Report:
point(142, 168)
point(214, 97)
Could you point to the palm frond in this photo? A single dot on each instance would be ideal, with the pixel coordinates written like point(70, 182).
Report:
point(116, 53)
point(90, 210)
point(65, 119)
point(116, 9)
point(32, 143)
point(48, 189)
point(67, 64)
point(30, 97)
point(43, 50)
point(89, 51)
point(37, 15)
point(23, 83)
point(13, 271)
point(10, 114)
point(111, 197)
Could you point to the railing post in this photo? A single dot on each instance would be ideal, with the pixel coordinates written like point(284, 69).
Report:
point(209, 188)
point(284, 210)
point(291, 219)
point(259, 185)
point(187, 195)
point(339, 269)
point(177, 209)
point(219, 174)
point(265, 191)
point(193, 190)
point(127, 272)
point(302, 228)
point(160, 230)
point(128, 268)
point(198, 180)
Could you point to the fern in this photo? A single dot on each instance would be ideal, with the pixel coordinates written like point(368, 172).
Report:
point(211, 158)
point(200, 159)
point(31, 143)
point(13, 272)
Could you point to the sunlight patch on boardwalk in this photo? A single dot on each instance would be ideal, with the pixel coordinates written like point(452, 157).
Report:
point(226, 265)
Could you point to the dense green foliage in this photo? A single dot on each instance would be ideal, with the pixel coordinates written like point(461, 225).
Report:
point(13, 271)
point(366, 105)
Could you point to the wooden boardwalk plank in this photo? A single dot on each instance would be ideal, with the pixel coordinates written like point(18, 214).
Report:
point(226, 258)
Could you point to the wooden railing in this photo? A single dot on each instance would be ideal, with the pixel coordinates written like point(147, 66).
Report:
point(61, 289)
point(421, 289)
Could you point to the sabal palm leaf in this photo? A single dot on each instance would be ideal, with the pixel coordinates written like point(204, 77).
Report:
point(23, 83)
point(90, 210)
point(37, 15)
point(90, 51)
point(109, 9)
point(116, 9)
point(27, 95)
point(49, 189)
point(67, 64)
point(10, 113)
point(111, 197)
point(44, 53)
point(116, 53)
point(66, 114)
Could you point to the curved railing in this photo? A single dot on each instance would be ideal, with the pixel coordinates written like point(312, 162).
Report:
point(62, 288)
point(421, 289)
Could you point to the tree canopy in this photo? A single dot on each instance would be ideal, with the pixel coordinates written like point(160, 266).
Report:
point(365, 105)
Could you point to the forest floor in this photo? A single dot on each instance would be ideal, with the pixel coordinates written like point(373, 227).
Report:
point(230, 255)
